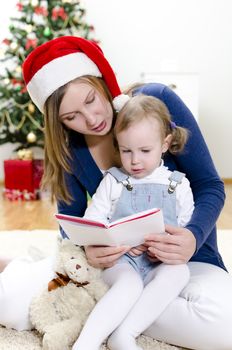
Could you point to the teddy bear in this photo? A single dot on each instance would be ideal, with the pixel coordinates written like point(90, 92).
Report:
point(60, 311)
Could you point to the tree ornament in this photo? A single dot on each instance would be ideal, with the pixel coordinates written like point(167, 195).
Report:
point(31, 108)
point(18, 69)
point(19, 6)
point(47, 31)
point(40, 10)
point(31, 43)
point(59, 12)
point(31, 137)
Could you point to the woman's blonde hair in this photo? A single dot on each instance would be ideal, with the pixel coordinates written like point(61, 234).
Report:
point(143, 106)
point(57, 156)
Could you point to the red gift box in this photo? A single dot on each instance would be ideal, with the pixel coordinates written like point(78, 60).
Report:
point(22, 178)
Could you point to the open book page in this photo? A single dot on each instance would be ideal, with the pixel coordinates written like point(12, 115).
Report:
point(129, 230)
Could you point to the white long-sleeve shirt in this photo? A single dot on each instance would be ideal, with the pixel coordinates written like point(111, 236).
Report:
point(108, 192)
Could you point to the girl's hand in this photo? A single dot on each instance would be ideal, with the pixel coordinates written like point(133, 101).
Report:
point(101, 256)
point(175, 247)
point(140, 249)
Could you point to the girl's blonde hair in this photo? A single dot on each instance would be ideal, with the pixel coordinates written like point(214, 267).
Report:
point(57, 156)
point(143, 106)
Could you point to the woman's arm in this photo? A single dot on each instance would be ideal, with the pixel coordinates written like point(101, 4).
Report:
point(78, 203)
point(196, 163)
point(176, 247)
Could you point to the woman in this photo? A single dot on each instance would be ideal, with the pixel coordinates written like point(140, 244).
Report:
point(70, 80)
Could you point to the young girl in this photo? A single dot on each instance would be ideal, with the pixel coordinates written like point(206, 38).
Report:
point(73, 84)
point(143, 132)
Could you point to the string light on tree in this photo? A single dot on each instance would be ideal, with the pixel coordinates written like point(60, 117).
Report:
point(13, 46)
point(31, 108)
point(35, 2)
point(18, 69)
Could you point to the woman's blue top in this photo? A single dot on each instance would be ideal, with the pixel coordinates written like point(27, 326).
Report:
point(195, 162)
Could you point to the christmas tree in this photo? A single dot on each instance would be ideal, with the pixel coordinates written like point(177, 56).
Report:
point(35, 22)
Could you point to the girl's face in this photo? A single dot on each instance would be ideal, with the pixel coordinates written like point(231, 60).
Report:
point(141, 147)
point(85, 110)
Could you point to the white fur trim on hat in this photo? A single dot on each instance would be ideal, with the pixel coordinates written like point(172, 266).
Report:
point(119, 101)
point(57, 73)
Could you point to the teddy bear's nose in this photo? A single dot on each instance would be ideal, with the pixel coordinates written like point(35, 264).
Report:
point(78, 266)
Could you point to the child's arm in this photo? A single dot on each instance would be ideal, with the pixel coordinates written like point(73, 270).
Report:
point(101, 205)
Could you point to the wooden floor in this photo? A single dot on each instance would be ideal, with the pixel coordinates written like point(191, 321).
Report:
point(28, 215)
point(40, 214)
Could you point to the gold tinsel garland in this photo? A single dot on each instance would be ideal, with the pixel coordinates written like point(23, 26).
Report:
point(6, 115)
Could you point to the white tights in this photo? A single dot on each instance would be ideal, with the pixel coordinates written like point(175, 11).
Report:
point(199, 318)
point(130, 306)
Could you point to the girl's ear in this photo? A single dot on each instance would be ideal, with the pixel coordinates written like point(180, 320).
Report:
point(166, 143)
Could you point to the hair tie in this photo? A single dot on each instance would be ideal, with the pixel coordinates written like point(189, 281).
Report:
point(173, 125)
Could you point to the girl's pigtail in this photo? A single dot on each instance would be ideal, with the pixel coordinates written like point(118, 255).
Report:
point(179, 138)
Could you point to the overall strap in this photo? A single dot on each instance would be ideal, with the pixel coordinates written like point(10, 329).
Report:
point(175, 179)
point(120, 177)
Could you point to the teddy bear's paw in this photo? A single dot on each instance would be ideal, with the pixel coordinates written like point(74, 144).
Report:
point(97, 288)
point(55, 341)
point(62, 335)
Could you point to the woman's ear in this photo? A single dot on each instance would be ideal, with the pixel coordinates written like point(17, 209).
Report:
point(166, 143)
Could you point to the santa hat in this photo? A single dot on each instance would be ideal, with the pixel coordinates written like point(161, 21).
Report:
point(58, 61)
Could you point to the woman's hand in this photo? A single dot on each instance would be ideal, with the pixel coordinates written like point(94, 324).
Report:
point(136, 251)
point(175, 247)
point(101, 256)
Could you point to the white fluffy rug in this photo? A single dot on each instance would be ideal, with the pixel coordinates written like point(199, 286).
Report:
point(16, 243)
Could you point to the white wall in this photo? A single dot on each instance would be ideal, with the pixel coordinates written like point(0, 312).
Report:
point(9, 10)
point(184, 36)
point(187, 36)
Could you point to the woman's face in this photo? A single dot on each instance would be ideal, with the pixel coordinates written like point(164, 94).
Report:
point(85, 110)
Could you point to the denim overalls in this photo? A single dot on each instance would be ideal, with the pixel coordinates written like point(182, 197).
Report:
point(138, 197)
